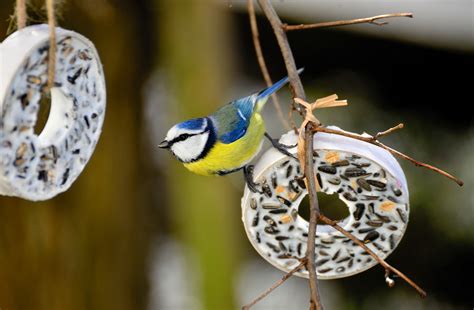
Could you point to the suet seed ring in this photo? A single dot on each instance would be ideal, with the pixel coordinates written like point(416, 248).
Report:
point(40, 166)
point(366, 178)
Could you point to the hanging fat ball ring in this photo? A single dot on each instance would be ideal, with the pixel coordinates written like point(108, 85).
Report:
point(38, 167)
point(366, 178)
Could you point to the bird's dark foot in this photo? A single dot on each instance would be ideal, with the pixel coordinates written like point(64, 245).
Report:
point(282, 148)
point(248, 175)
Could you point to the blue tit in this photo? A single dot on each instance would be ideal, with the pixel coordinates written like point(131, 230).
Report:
point(225, 141)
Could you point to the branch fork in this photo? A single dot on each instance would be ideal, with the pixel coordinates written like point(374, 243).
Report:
point(326, 102)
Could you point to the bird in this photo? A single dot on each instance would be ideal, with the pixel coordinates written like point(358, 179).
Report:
point(227, 140)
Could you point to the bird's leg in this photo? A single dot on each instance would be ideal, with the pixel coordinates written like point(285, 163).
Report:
point(248, 176)
point(279, 146)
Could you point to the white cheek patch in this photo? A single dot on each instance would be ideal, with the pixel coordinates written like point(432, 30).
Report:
point(191, 148)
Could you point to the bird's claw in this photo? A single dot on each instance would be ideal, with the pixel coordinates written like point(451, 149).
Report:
point(248, 175)
point(282, 148)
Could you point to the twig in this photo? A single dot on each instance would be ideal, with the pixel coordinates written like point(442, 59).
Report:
point(274, 286)
point(370, 20)
point(388, 131)
point(285, 48)
point(52, 42)
point(373, 140)
point(21, 14)
point(261, 61)
point(313, 215)
point(388, 267)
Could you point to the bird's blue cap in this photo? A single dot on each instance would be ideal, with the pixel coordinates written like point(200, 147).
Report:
point(193, 124)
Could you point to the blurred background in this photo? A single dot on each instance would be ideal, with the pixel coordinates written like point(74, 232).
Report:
point(138, 231)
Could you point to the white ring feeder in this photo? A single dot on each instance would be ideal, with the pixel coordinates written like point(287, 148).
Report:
point(366, 178)
point(38, 167)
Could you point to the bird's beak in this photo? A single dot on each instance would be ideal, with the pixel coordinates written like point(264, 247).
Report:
point(164, 144)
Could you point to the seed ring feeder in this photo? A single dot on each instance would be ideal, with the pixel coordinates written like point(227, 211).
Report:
point(40, 166)
point(368, 179)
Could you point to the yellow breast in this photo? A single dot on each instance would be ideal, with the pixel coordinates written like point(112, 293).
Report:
point(228, 157)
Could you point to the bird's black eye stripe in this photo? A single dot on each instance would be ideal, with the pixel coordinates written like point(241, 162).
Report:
point(182, 137)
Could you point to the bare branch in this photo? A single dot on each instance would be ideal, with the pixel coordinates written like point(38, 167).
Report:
point(388, 268)
point(369, 20)
point(313, 215)
point(374, 141)
point(285, 48)
point(261, 61)
point(274, 286)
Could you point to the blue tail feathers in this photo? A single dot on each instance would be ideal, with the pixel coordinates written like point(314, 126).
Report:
point(275, 87)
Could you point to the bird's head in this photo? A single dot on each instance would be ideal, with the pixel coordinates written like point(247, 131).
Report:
point(190, 140)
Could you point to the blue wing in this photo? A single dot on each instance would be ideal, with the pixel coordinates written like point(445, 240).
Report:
point(233, 119)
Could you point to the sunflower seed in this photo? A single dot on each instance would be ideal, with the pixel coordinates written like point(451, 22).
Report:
point(271, 230)
point(320, 182)
point(269, 220)
point(360, 207)
point(383, 218)
point(328, 169)
point(255, 220)
point(340, 163)
point(354, 172)
point(364, 184)
point(374, 223)
point(321, 262)
point(349, 196)
point(371, 236)
point(323, 253)
point(334, 181)
point(253, 203)
point(298, 249)
point(284, 201)
point(402, 215)
point(273, 247)
point(266, 190)
point(301, 183)
point(278, 211)
point(392, 241)
point(344, 259)
point(365, 230)
point(396, 191)
point(376, 183)
point(294, 186)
